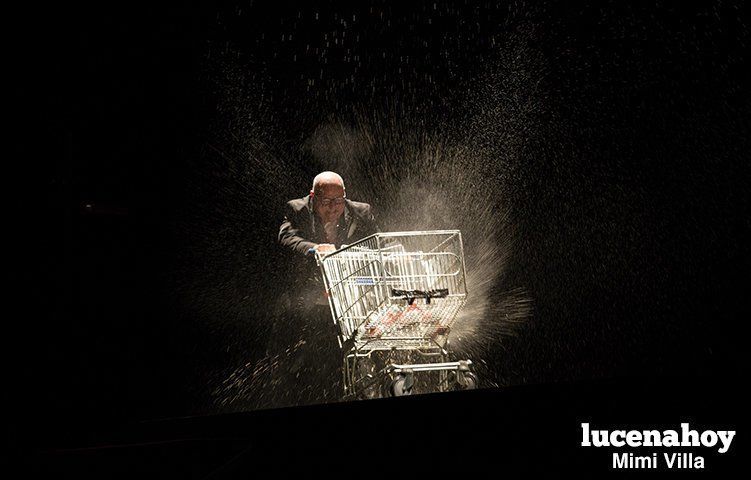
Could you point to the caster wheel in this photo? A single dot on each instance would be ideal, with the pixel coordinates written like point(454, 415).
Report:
point(400, 386)
point(369, 389)
point(466, 381)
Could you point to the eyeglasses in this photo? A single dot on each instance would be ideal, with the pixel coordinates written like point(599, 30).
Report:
point(325, 202)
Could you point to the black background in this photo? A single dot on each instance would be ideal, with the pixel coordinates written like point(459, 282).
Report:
point(631, 202)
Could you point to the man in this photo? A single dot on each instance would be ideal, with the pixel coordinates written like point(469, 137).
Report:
point(322, 221)
point(325, 219)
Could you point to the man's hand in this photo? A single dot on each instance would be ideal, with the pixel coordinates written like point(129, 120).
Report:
point(325, 247)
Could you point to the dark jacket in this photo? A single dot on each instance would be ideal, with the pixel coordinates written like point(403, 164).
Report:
point(300, 231)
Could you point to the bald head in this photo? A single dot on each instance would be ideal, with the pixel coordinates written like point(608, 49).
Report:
point(325, 179)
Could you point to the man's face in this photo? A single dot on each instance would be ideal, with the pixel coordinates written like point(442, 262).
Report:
point(328, 202)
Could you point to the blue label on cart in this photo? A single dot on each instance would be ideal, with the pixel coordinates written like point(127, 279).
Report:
point(364, 281)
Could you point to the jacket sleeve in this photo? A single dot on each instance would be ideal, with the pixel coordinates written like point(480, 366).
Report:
point(290, 234)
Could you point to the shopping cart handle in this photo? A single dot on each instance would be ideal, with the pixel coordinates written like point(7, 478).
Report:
point(313, 250)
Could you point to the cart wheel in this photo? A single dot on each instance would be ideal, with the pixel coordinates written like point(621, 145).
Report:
point(399, 387)
point(466, 381)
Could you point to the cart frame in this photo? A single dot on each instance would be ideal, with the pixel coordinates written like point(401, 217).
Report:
point(394, 297)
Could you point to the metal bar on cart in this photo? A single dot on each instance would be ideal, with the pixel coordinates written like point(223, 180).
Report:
point(429, 367)
point(443, 242)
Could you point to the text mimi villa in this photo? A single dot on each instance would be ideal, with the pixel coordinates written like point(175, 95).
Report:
point(685, 437)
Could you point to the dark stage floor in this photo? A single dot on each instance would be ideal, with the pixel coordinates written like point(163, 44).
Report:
point(522, 430)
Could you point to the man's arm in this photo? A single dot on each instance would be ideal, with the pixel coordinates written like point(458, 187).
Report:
point(290, 234)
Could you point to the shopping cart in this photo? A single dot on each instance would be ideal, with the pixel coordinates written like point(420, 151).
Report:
point(394, 298)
